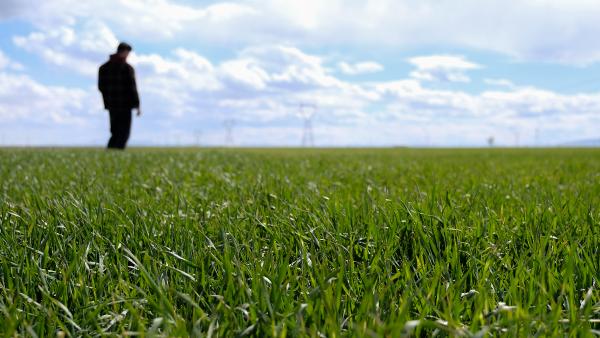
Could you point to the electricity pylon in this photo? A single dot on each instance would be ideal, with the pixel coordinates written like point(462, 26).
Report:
point(307, 114)
point(228, 125)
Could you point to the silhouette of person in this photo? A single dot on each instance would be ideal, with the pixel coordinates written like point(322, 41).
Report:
point(116, 82)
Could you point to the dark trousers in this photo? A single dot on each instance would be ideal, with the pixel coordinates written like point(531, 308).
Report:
point(120, 126)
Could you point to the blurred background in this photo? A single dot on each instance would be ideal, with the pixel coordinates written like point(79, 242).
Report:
point(306, 72)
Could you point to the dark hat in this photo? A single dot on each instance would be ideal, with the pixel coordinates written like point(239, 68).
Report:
point(123, 46)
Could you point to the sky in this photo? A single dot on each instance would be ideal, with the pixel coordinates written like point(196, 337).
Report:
point(366, 73)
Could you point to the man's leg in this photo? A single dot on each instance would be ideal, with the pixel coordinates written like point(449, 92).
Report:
point(125, 128)
point(120, 126)
point(112, 142)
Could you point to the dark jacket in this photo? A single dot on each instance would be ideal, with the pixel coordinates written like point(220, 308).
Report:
point(116, 82)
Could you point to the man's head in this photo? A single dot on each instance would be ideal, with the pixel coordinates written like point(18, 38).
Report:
point(124, 49)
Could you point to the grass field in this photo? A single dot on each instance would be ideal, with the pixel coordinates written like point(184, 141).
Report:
point(331, 243)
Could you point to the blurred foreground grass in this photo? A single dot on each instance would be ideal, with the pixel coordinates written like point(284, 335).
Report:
point(292, 242)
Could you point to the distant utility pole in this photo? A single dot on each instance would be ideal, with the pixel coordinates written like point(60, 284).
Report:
point(427, 137)
point(517, 135)
point(228, 125)
point(197, 137)
point(307, 113)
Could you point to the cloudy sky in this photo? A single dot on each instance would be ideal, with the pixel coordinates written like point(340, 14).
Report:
point(370, 72)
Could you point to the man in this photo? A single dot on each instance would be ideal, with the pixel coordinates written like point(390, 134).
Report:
point(116, 82)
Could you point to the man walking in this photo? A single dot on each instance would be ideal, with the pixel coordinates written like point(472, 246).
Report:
point(116, 82)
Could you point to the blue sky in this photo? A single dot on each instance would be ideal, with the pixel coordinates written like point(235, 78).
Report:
point(378, 72)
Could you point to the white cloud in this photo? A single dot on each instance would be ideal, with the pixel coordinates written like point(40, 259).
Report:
point(262, 86)
point(4, 60)
point(445, 68)
point(546, 30)
point(79, 50)
point(11, 8)
point(500, 83)
point(43, 104)
point(360, 68)
point(143, 19)
point(186, 68)
point(7, 63)
point(290, 67)
point(559, 30)
point(186, 90)
point(246, 72)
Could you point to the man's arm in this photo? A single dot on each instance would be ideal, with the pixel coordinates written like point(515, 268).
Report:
point(100, 80)
point(102, 84)
point(134, 92)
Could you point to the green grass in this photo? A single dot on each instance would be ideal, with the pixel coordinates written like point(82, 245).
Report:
point(386, 242)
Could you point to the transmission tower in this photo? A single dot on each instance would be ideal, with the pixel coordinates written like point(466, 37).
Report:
point(228, 125)
point(426, 137)
point(197, 137)
point(307, 113)
point(538, 132)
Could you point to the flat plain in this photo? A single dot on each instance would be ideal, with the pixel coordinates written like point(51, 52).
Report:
point(299, 242)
